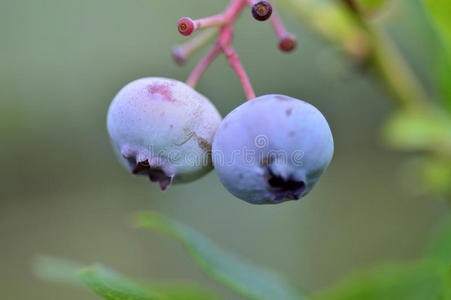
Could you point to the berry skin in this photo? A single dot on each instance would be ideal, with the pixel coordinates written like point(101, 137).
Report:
point(271, 149)
point(262, 10)
point(162, 128)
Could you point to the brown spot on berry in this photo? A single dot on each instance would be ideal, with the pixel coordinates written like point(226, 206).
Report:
point(203, 144)
point(292, 133)
point(288, 112)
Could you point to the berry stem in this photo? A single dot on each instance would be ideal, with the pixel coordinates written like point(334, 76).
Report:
point(202, 66)
point(217, 20)
point(182, 52)
point(277, 25)
point(287, 42)
point(234, 61)
point(235, 8)
point(223, 44)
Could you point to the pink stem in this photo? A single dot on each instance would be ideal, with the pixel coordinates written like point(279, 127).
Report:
point(235, 62)
point(202, 66)
point(210, 21)
point(182, 52)
point(234, 10)
point(277, 25)
point(222, 19)
point(287, 42)
point(224, 44)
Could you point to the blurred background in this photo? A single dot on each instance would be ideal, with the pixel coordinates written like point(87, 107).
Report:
point(63, 192)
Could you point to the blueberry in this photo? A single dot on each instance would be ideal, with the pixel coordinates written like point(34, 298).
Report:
point(271, 149)
point(162, 128)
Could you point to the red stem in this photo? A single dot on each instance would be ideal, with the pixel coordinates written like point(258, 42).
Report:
point(223, 44)
point(210, 21)
point(202, 66)
point(235, 62)
point(277, 25)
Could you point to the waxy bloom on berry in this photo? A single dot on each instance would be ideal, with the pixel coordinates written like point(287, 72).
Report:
point(162, 128)
point(272, 148)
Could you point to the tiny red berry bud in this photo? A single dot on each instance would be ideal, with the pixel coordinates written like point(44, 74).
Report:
point(262, 10)
point(179, 55)
point(287, 43)
point(186, 26)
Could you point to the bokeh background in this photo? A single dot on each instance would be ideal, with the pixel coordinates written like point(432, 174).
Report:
point(63, 193)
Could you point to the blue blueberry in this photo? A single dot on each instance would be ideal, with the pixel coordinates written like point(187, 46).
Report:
point(271, 149)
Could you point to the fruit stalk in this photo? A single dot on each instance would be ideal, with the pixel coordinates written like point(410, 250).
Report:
point(182, 52)
point(202, 66)
point(261, 10)
point(287, 42)
point(223, 44)
point(235, 62)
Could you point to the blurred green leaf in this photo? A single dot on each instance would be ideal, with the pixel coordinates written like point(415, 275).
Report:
point(419, 131)
point(181, 291)
point(111, 285)
point(247, 279)
point(440, 248)
point(373, 7)
point(444, 71)
point(440, 12)
point(332, 21)
point(420, 281)
point(57, 269)
point(437, 175)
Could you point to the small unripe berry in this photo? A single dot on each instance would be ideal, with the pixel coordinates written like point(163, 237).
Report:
point(262, 10)
point(287, 43)
point(162, 128)
point(179, 55)
point(272, 148)
point(186, 26)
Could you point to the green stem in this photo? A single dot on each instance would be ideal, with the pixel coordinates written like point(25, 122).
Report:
point(390, 64)
point(375, 45)
point(395, 72)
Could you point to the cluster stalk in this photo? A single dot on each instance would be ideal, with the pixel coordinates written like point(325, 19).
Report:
point(223, 25)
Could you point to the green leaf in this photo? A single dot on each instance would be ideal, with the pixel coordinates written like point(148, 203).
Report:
point(419, 281)
point(419, 130)
point(57, 269)
point(440, 248)
point(111, 285)
point(440, 12)
point(373, 7)
point(182, 291)
point(437, 175)
point(245, 278)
